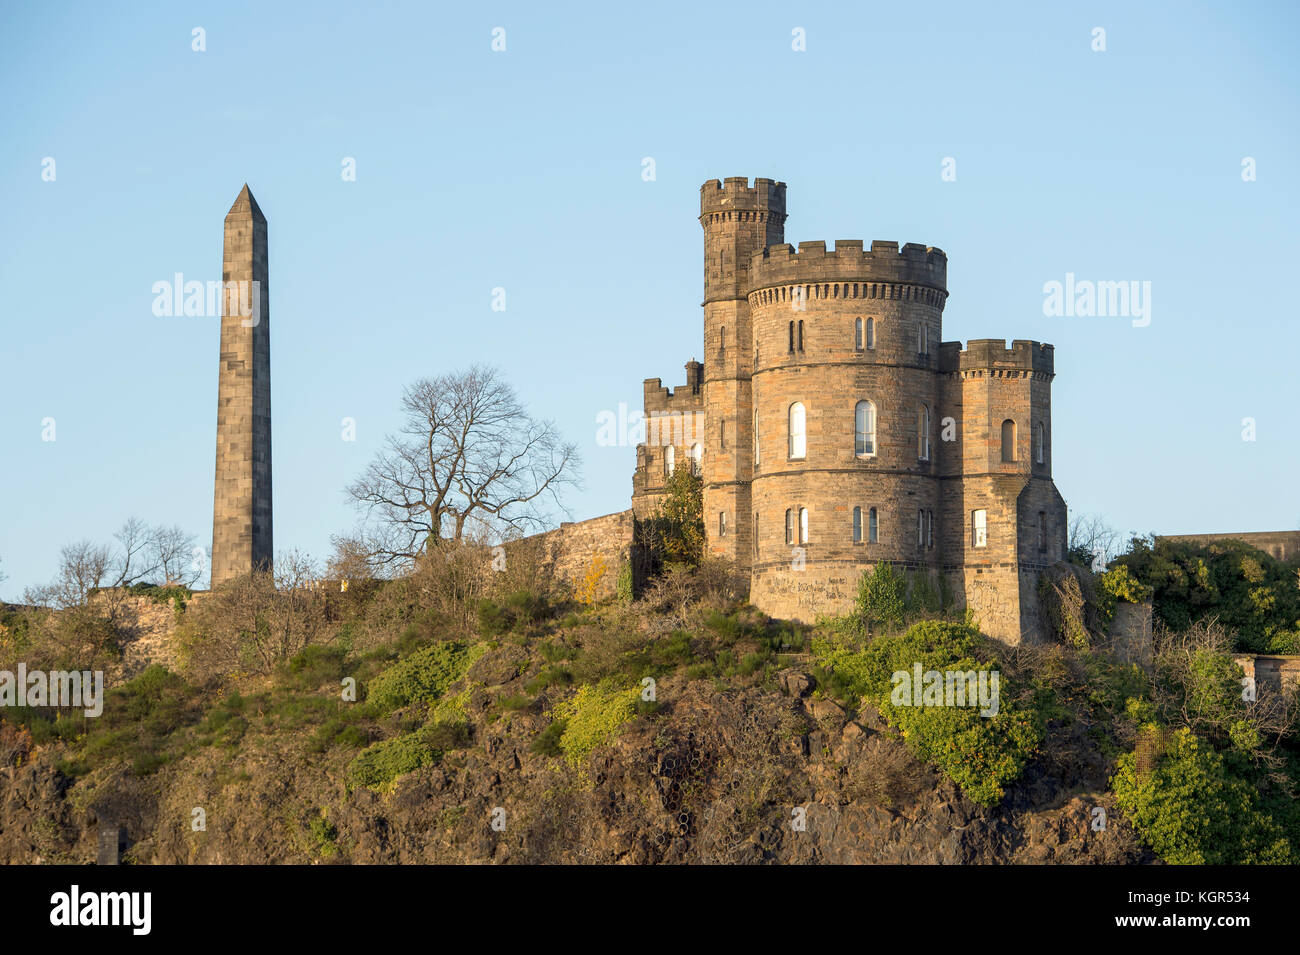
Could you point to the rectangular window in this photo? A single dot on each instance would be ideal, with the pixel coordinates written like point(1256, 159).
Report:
point(920, 528)
point(929, 528)
point(789, 525)
point(857, 525)
point(979, 528)
point(873, 527)
point(722, 523)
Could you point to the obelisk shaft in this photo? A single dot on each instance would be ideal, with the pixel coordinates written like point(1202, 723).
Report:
point(241, 517)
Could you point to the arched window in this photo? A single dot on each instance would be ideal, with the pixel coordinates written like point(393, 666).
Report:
point(697, 457)
point(799, 339)
point(871, 333)
point(859, 338)
point(1038, 443)
point(670, 460)
point(722, 340)
point(873, 527)
point(792, 337)
point(798, 434)
point(857, 525)
point(722, 523)
point(803, 525)
point(722, 434)
point(864, 427)
point(923, 433)
point(1008, 441)
point(789, 525)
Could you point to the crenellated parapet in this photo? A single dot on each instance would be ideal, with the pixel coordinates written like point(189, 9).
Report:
point(914, 272)
point(992, 357)
point(735, 195)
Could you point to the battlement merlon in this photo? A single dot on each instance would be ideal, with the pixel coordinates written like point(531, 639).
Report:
point(884, 262)
point(687, 397)
point(994, 355)
point(736, 194)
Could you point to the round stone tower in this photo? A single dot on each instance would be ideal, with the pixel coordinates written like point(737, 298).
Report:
point(739, 220)
point(845, 398)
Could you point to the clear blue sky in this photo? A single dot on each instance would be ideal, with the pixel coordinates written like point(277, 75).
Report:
point(522, 170)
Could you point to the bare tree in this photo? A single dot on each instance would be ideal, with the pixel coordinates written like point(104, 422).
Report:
point(1092, 540)
point(171, 551)
point(468, 450)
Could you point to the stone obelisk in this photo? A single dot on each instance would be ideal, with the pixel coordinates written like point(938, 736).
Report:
point(241, 516)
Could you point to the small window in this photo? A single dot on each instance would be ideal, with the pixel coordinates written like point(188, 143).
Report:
point(1042, 532)
point(722, 434)
point(792, 338)
point(756, 533)
point(929, 528)
point(923, 433)
point(873, 527)
point(722, 523)
point(859, 337)
point(923, 339)
point(857, 525)
point(864, 426)
point(670, 460)
point(979, 528)
point(755, 435)
point(789, 525)
point(800, 338)
point(722, 340)
point(798, 434)
point(871, 333)
point(920, 528)
point(1008, 441)
point(803, 525)
point(1038, 443)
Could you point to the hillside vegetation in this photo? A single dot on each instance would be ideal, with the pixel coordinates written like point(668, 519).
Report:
point(462, 715)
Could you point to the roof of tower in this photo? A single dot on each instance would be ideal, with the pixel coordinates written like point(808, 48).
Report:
point(245, 204)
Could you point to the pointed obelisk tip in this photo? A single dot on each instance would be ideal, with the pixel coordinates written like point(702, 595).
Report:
point(245, 205)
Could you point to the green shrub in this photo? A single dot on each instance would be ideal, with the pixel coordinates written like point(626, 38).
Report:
point(423, 676)
point(444, 737)
point(315, 666)
point(882, 596)
point(592, 718)
point(548, 740)
point(1191, 810)
point(982, 754)
point(378, 765)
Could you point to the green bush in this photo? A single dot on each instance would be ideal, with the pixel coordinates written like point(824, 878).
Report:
point(1191, 810)
point(423, 676)
point(378, 765)
point(882, 596)
point(593, 717)
point(982, 754)
point(548, 740)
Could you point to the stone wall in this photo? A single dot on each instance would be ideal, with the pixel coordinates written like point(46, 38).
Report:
point(574, 548)
point(1270, 672)
point(1282, 545)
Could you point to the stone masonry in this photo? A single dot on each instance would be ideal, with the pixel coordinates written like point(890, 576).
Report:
point(834, 429)
point(241, 517)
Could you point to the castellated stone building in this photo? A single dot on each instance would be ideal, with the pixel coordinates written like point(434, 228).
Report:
point(834, 428)
point(241, 516)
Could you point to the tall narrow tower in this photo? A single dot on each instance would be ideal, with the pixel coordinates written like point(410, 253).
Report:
point(739, 220)
point(241, 515)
